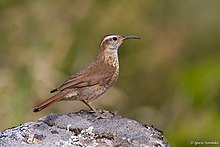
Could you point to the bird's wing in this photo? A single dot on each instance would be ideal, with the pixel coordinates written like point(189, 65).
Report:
point(89, 76)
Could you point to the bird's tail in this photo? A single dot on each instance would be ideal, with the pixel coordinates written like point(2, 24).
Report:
point(49, 101)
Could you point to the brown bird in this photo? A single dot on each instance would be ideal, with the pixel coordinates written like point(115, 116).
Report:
point(94, 79)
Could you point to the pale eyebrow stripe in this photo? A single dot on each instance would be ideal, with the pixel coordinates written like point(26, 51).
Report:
point(108, 37)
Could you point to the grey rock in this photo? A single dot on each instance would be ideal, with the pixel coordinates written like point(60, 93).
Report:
point(82, 129)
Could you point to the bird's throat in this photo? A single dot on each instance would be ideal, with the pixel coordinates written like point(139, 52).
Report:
point(111, 57)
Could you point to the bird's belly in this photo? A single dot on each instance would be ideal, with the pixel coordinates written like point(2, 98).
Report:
point(86, 93)
point(92, 92)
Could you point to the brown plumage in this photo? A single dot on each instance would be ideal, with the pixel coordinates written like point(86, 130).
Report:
point(94, 79)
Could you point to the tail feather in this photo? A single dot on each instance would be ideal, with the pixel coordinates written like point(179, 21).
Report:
point(54, 90)
point(49, 101)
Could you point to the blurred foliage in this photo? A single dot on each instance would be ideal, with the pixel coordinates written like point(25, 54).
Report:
point(169, 79)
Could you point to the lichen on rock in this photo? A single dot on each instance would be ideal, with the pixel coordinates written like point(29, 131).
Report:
point(80, 129)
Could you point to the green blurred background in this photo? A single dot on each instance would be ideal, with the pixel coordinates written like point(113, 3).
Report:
point(169, 79)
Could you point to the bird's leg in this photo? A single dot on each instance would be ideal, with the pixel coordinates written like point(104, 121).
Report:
point(98, 115)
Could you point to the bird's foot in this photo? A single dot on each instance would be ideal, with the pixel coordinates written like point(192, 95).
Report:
point(106, 111)
point(99, 116)
point(102, 114)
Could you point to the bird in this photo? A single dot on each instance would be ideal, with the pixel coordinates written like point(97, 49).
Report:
point(94, 79)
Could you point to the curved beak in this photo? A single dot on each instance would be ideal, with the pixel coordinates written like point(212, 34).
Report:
point(131, 37)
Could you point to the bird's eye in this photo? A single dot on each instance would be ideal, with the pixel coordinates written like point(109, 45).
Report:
point(114, 38)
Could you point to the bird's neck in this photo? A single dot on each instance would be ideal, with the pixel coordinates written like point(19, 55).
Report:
point(109, 56)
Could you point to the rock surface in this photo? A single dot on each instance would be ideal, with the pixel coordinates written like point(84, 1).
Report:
point(82, 129)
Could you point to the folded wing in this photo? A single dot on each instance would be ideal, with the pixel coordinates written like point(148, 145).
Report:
point(89, 76)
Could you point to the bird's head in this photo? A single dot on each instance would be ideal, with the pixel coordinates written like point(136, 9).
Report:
point(113, 41)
